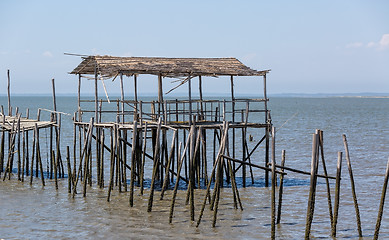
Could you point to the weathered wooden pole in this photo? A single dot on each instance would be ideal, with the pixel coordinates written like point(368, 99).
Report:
point(233, 130)
point(155, 167)
point(70, 177)
point(38, 155)
point(160, 96)
point(2, 146)
point(267, 131)
point(312, 188)
point(32, 157)
point(382, 202)
point(19, 150)
point(337, 194)
point(142, 171)
point(352, 186)
point(281, 189)
point(9, 94)
point(171, 154)
point(178, 176)
point(190, 99)
point(321, 145)
point(273, 183)
point(133, 155)
point(112, 167)
point(24, 153)
point(213, 173)
point(201, 98)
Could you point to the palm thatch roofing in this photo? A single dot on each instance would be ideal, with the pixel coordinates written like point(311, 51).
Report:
point(109, 66)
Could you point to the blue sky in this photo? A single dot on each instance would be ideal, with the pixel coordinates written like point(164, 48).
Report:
point(310, 46)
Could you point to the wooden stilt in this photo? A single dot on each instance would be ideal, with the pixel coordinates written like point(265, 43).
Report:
point(337, 194)
point(312, 190)
point(352, 186)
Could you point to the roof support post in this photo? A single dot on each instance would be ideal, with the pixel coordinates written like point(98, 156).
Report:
point(136, 94)
point(160, 96)
point(201, 98)
point(79, 97)
point(233, 130)
point(122, 94)
point(96, 96)
point(190, 99)
point(136, 88)
point(54, 100)
point(267, 132)
point(9, 94)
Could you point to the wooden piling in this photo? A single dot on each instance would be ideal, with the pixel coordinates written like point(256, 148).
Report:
point(382, 203)
point(155, 167)
point(321, 145)
point(133, 155)
point(178, 177)
point(337, 194)
point(273, 184)
point(352, 186)
point(280, 189)
point(312, 188)
point(69, 170)
point(171, 153)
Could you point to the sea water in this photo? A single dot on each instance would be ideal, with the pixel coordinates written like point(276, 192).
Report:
point(36, 212)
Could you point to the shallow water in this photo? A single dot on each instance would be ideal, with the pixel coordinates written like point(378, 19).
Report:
point(32, 212)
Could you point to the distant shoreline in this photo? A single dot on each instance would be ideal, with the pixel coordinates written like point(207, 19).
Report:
point(179, 95)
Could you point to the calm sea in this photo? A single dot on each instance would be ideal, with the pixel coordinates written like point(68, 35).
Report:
point(36, 212)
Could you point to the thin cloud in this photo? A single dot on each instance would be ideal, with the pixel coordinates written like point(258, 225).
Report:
point(354, 45)
point(47, 54)
point(384, 42)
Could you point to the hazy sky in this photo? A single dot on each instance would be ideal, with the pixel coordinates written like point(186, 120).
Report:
point(310, 46)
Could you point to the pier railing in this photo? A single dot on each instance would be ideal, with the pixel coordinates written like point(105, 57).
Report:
point(177, 111)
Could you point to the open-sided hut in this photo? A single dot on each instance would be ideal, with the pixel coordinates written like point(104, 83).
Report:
point(190, 117)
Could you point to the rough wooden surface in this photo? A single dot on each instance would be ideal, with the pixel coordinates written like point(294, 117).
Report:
point(109, 66)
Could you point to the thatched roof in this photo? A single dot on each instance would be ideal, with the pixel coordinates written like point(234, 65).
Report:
point(108, 66)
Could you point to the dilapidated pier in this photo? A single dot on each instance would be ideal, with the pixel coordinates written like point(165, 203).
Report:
point(131, 144)
point(184, 123)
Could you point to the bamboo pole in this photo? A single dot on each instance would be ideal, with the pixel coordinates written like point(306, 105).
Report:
point(352, 186)
point(382, 202)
